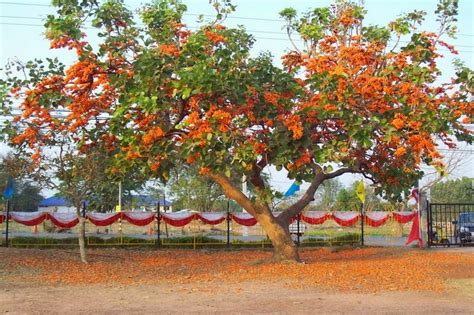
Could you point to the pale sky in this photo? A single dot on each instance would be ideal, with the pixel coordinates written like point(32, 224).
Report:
point(21, 36)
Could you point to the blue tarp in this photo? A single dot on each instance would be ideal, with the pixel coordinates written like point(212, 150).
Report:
point(54, 201)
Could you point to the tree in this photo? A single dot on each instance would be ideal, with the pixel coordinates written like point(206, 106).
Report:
point(192, 191)
point(59, 137)
point(27, 194)
point(347, 199)
point(326, 195)
point(453, 191)
point(347, 102)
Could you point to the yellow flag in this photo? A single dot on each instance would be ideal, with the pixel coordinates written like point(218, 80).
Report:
point(361, 191)
point(118, 208)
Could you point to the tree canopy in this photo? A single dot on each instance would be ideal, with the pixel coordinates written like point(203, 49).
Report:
point(453, 191)
point(347, 101)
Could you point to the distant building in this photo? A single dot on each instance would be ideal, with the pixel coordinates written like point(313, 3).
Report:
point(131, 203)
point(148, 203)
point(56, 204)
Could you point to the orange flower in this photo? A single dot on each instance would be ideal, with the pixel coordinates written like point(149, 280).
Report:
point(154, 166)
point(271, 97)
point(398, 123)
point(330, 107)
point(304, 159)
point(214, 37)
point(293, 123)
point(259, 148)
point(400, 151)
point(152, 135)
point(169, 50)
point(204, 171)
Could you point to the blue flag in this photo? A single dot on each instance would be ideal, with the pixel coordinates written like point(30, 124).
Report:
point(8, 193)
point(292, 190)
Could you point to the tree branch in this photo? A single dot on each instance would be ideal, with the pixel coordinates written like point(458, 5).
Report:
point(308, 196)
point(234, 193)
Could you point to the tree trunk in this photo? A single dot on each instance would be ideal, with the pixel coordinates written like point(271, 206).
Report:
point(277, 230)
point(82, 236)
point(284, 248)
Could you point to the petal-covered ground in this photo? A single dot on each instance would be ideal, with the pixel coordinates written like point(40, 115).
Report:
point(348, 270)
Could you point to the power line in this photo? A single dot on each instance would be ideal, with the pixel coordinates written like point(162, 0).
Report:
point(256, 37)
point(193, 27)
point(187, 14)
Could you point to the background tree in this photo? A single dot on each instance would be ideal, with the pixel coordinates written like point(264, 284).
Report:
point(57, 131)
point(27, 194)
point(347, 200)
point(326, 195)
point(190, 190)
point(453, 191)
point(347, 102)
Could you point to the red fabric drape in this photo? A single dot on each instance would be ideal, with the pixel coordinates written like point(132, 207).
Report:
point(377, 218)
point(103, 219)
point(177, 219)
point(2, 218)
point(415, 232)
point(346, 218)
point(404, 216)
point(212, 218)
point(29, 218)
point(139, 218)
point(244, 219)
point(314, 217)
point(63, 220)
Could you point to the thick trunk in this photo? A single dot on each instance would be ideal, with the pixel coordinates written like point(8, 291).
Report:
point(277, 230)
point(284, 246)
point(82, 237)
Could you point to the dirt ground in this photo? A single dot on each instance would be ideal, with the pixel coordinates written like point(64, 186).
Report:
point(369, 280)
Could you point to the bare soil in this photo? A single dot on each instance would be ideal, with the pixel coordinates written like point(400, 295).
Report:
point(146, 282)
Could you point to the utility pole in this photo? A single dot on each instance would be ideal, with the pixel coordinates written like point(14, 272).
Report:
point(120, 196)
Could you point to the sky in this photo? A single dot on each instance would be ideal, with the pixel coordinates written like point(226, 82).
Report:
point(21, 37)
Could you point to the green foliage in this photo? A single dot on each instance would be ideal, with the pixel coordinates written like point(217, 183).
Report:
point(327, 194)
point(453, 191)
point(190, 190)
point(347, 200)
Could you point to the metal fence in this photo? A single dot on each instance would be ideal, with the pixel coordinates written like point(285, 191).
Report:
point(198, 235)
point(450, 224)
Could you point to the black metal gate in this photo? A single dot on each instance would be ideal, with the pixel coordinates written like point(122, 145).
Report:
point(450, 224)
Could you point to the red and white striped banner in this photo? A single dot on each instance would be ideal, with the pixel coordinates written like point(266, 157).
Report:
point(245, 219)
point(139, 218)
point(29, 218)
point(404, 216)
point(377, 218)
point(314, 217)
point(211, 218)
point(63, 220)
point(346, 218)
point(69, 220)
point(103, 219)
point(177, 219)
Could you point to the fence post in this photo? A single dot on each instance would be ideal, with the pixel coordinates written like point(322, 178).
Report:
point(84, 218)
point(428, 223)
point(158, 221)
point(298, 230)
point(7, 217)
point(228, 223)
point(362, 218)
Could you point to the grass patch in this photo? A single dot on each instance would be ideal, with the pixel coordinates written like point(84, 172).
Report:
point(200, 241)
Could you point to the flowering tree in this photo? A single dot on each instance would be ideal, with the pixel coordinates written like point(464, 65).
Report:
point(345, 103)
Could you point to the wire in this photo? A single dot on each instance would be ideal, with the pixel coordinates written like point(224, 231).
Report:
point(195, 27)
point(188, 14)
point(256, 37)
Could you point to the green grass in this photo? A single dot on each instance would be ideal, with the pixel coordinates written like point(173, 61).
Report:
point(178, 242)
